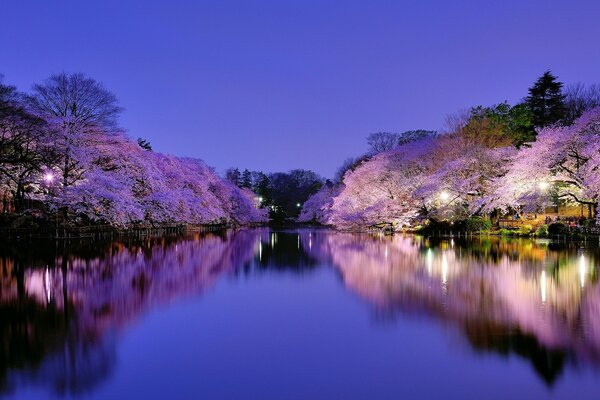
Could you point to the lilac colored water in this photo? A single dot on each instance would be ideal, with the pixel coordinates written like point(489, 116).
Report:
point(302, 314)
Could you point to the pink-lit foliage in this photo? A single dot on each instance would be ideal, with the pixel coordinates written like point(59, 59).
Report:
point(318, 207)
point(119, 183)
point(381, 190)
point(454, 176)
point(562, 163)
point(461, 174)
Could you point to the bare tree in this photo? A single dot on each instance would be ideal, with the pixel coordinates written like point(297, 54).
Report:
point(579, 99)
point(382, 141)
point(77, 107)
point(457, 121)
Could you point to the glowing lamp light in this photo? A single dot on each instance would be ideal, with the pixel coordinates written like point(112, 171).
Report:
point(260, 199)
point(297, 204)
point(48, 177)
point(444, 195)
point(543, 185)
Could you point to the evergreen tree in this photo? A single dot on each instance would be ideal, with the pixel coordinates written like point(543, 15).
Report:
point(546, 101)
point(502, 123)
point(246, 179)
point(262, 188)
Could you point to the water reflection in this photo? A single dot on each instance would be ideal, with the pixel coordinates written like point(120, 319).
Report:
point(522, 297)
point(62, 308)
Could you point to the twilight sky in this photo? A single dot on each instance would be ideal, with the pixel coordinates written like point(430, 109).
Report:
point(276, 85)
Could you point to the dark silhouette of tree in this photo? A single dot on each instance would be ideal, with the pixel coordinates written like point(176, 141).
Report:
point(144, 144)
point(233, 175)
point(412, 136)
point(25, 148)
point(246, 179)
point(546, 101)
point(579, 99)
point(289, 191)
point(261, 188)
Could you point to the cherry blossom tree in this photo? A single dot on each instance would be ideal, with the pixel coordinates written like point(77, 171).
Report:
point(561, 164)
point(381, 191)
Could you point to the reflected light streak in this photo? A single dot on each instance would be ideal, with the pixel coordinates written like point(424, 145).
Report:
point(543, 286)
point(429, 261)
point(444, 269)
point(582, 270)
point(47, 284)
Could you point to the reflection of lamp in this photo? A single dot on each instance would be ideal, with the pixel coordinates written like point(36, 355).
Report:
point(582, 270)
point(444, 195)
point(543, 286)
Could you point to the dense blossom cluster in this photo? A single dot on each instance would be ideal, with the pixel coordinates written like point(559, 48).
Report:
point(459, 174)
point(122, 184)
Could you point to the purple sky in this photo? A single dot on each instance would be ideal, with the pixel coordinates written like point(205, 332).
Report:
point(276, 85)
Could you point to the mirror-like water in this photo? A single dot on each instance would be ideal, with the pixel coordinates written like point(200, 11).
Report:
point(309, 314)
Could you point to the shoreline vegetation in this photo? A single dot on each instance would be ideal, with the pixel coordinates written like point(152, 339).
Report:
point(529, 169)
point(67, 169)
point(65, 162)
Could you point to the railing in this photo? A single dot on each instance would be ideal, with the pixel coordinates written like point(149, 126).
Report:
point(511, 223)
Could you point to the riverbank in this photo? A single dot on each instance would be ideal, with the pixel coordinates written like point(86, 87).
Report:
point(104, 231)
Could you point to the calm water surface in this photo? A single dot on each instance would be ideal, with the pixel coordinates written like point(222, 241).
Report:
point(309, 314)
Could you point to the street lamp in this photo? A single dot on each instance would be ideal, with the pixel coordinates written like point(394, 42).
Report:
point(444, 195)
point(48, 177)
point(543, 185)
point(298, 205)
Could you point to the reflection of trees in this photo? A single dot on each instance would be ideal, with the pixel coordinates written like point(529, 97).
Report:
point(60, 309)
point(512, 297)
point(284, 250)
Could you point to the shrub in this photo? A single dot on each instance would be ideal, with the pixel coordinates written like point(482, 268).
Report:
point(557, 228)
point(525, 230)
point(505, 232)
point(542, 230)
point(476, 223)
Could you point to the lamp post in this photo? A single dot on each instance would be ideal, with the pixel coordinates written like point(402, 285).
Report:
point(48, 179)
